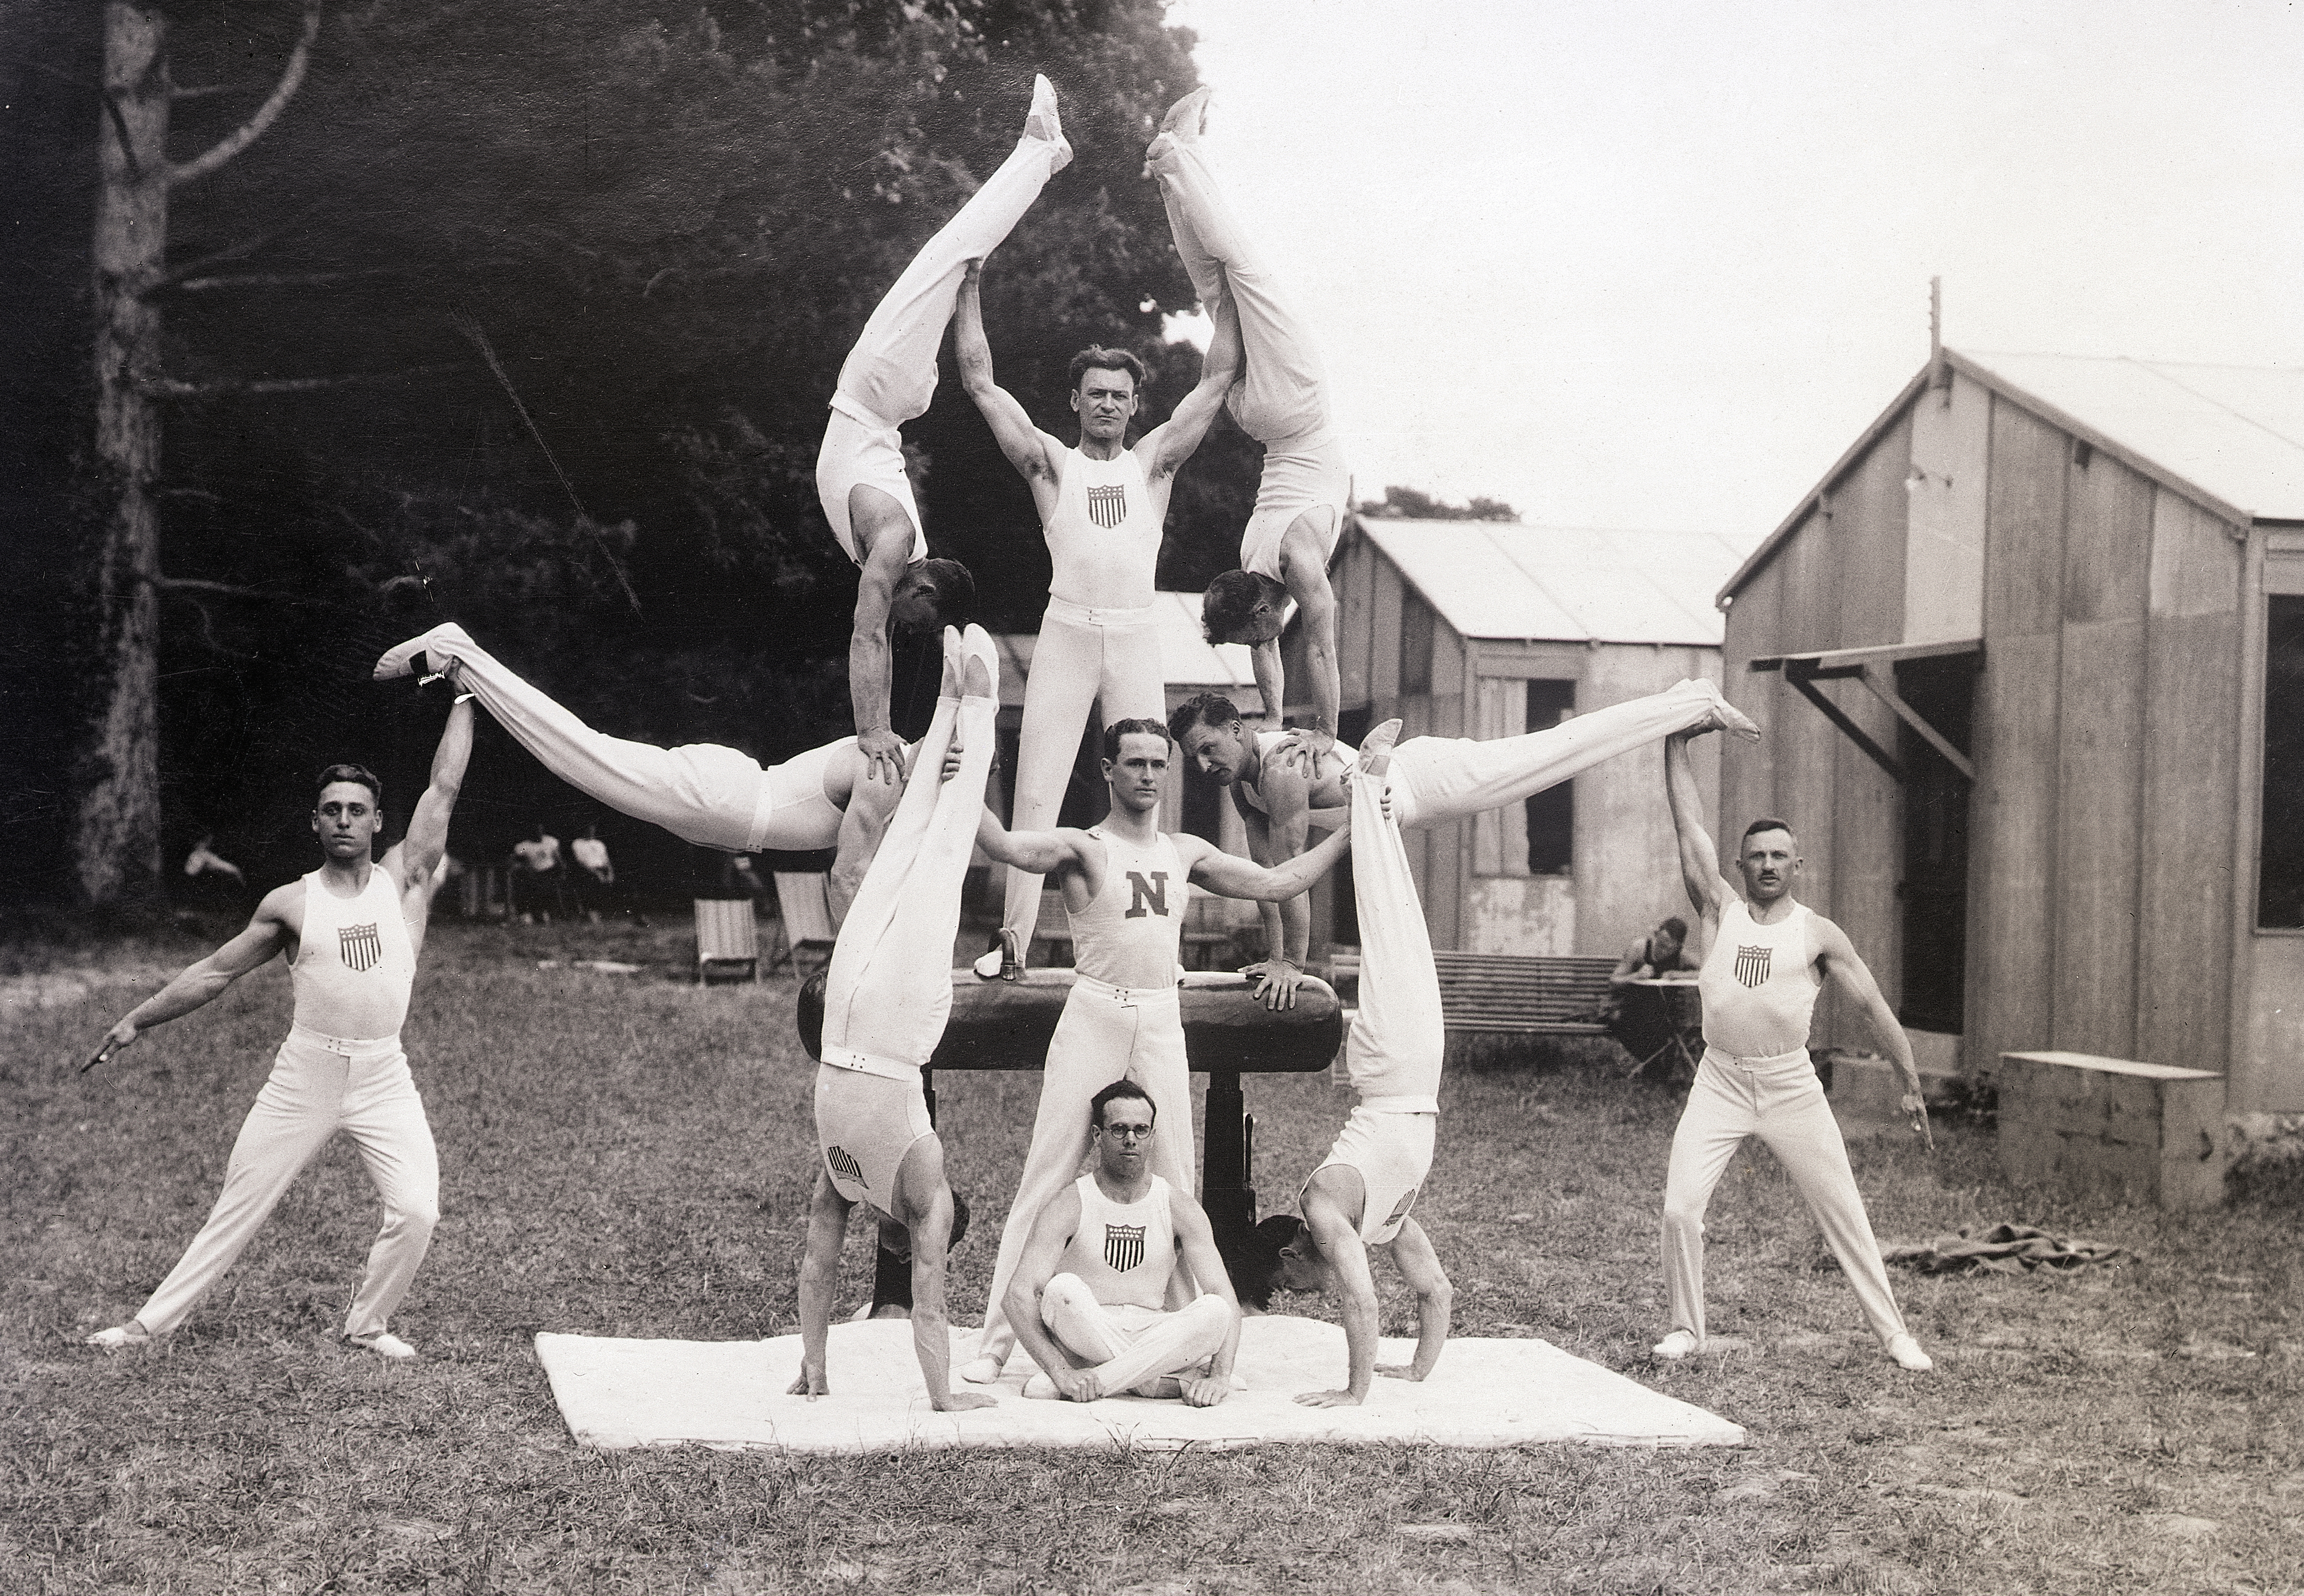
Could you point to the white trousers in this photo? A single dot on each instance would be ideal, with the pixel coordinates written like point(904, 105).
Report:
point(317, 1088)
point(1398, 1034)
point(1098, 1039)
point(1131, 1347)
point(1076, 665)
point(1780, 1102)
point(700, 792)
point(1281, 400)
point(888, 991)
point(1438, 778)
point(891, 374)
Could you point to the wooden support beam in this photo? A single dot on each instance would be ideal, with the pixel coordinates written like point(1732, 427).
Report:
point(1800, 675)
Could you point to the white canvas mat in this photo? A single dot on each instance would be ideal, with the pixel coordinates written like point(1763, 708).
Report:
point(617, 1393)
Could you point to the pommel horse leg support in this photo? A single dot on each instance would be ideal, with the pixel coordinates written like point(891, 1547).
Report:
point(1006, 1026)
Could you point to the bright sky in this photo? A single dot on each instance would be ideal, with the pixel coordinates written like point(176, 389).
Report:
point(1655, 263)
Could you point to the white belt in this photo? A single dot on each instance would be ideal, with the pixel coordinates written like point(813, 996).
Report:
point(1798, 1055)
point(349, 1047)
point(1402, 1103)
point(1128, 996)
point(863, 1063)
point(856, 412)
point(1063, 609)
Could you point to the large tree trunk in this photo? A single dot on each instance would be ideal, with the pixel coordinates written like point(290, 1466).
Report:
point(116, 831)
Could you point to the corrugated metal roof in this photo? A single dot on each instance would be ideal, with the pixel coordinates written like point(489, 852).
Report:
point(1563, 584)
point(1188, 660)
point(2236, 432)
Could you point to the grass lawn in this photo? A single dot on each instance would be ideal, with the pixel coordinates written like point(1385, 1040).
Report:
point(627, 1155)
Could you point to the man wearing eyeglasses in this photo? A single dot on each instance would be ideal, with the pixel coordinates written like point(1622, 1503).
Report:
point(1087, 1299)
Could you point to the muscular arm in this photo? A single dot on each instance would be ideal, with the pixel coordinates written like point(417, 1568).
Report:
point(1631, 966)
point(267, 931)
point(1228, 875)
point(1166, 448)
point(1699, 855)
point(819, 1274)
point(1305, 567)
point(930, 1224)
point(1042, 853)
point(1436, 1299)
point(1051, 1232)
point(871, 804)
point(1026, 446)
point(884, 562)
point(1288, 805)
point(1854, 976)
point(418, 852)
point(1340, 1243)
point(1196, 1245)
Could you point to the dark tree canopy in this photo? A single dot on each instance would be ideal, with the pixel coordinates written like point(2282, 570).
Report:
point(667, 223)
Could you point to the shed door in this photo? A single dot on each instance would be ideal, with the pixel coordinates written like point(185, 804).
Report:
point(1934, 890)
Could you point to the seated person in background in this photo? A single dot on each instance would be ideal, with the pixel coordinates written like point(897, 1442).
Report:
point(536, 883)
point(594, 877)
point(1087, 1299)
point(1658, 953)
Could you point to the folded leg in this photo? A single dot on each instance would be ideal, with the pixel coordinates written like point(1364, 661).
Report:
point(1169, 1344)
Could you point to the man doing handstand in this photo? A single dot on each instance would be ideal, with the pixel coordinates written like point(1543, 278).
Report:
point(1089, 1300)
point(888, 379)
point(1359, 1197)
point(887, 995)
point(1281, 402)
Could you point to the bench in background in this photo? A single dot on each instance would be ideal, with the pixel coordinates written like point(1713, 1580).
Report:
point(1524, 995)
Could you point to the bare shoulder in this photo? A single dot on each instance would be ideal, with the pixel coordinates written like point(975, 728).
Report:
point(1826, 939)
point(283, 906)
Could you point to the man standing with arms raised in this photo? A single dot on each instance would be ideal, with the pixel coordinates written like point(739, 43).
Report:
point(351, 930)
point(1770, 955)
point(1102, 506)
point(1123, 884)
point(1089, 1299)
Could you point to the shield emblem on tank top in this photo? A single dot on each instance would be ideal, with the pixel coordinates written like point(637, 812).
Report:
point(1107, 504)
point(359, 947)
point(1400, 1209)
point(844, 1165)
point(1753, 964)
point(1123, 1247)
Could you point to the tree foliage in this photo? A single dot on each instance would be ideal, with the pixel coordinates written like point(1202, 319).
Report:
point(1412, 504)
point(668, 221)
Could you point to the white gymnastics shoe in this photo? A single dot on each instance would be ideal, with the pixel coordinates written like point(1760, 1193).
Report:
point(1675, 1346)
point(385, 1345)
point(1907, 1353)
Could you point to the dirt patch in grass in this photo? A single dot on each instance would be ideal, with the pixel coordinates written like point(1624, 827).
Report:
point(628, 1155)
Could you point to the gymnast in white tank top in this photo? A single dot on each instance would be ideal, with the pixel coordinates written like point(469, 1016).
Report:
point(1103, 532)
point(355, 963)
point(1758, 984)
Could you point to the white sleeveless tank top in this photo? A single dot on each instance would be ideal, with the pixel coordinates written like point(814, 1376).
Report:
point(1129, 933)
point(1336, 762)
point(1123, 1253)
point(1104, 534)
point(355, 963)
point(1758, 984)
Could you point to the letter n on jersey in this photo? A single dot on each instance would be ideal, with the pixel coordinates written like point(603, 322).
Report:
point(1147, 897)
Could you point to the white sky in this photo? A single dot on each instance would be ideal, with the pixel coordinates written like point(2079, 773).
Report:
point(1643, 263)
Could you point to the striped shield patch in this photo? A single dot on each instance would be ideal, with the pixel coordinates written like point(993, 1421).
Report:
point(845, 1166)
point(1107, 504)
point(359, 947)
point(1753, 964)
point(1400, 1209)
point(1123, 1247)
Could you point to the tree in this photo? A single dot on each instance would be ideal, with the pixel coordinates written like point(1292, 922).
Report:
point(1410, 504)
point(116, 835)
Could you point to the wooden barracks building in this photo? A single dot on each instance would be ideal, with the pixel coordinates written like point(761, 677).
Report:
point(2030, 659)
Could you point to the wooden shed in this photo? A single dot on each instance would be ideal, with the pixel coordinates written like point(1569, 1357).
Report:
point(1483, 629)
point(2030, 659)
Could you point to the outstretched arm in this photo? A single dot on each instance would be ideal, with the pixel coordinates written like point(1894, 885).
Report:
point(1841, 963)
point(1436, 1299)
point(1026, 446)
point(1041, 853)
point(1169, 445)
point(265, 933)
point(1699, 855)
point(885, 563)
point(427, 841)
point(1228, 875)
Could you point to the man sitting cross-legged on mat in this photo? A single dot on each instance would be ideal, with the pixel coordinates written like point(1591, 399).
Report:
point(887, 995)
point(1088, 1301)
point(1360, 1197)
point(1123, 884)
point(702, 793)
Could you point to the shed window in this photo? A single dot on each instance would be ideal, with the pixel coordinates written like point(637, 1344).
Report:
point(1552, 813)
point(1536, 837)
point(1415, 644)
point(2280, 884)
